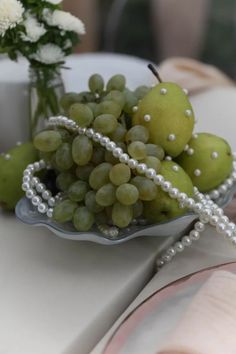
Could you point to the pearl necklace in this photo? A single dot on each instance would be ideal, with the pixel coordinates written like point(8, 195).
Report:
point(202, 205)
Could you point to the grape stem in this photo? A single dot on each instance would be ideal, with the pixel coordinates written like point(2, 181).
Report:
point(155, 72)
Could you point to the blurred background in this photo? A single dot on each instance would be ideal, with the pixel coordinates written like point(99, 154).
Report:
point(159, 29)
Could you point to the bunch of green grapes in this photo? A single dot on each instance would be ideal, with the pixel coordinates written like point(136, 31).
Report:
point(96, 187)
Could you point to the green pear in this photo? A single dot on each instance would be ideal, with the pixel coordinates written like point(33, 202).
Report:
point(168, 115)
point(12, 165)
point(163, 207)
point(208, 161)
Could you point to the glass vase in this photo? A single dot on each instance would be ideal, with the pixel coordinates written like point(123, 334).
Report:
point(45, 91)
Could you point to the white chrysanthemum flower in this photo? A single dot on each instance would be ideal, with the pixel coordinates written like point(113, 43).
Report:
point(54, 2)
point(34, 30)
point(49, 54)
point(65, 21)
point(68, 44)
point(11, 12)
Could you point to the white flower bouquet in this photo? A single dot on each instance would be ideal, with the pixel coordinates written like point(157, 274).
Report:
point(44, 34)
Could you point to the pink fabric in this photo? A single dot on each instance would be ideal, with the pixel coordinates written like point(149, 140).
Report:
point(192, 74)
point(208, 326)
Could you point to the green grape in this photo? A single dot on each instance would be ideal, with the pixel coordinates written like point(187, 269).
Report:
point(64, 210)
point(105, 123)
point(65, 135)
point(119, 133)
point(93, 107)
point(63, 157)
point(137, 150)
point(77, 191)
point(68, 99)
point(119, 174)
point(116, 82)
point(96, 83)
point(147, 189)
point(81, 114)
point(137, 133)
point(153, 162)
point(109, 157)
point(91, 204)
point(83, 219)
point(122, 215)
point(115, 96)
point(130, 101)
point(137, 209)
point(47, 140)
point(108, 107)
point(98, 155)
point(100, 175)
point(106, 195)
point(155, 150)
point(46, 156)
point(82, 150)
point(64, 180)
point(127, 194)
point(141, 91)
point(83, 172)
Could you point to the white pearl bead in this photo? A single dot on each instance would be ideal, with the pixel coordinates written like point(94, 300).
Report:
point(228, 233)
point(188, 113)
point(42, 164)
point(135, 109)
point(160, 263)
point(186, 241)
point(220, 227)
point(229, 182)
point(179, 247)
point(185, 91)
point(42, 208)
point(51, 202)
point(27, 173)
point(158, 179)
point(168, 158)
point(50, 213)
point(186, 147)
point(141, 168)
point(90, 132)
point(104, 140)
point(82, 131)
point(199, 226)
point(150, 173)
point(171, 251)
point(223, 189)
point(174, 193)
point(30, 193)
point(36, 200)
point(25, 186)
point(190, 151)
point(214, 155)
point(224, 219)
point(231, 226)
point(26, 179)
point(46, 195)
point(97, 137)
point(214, 220)
point(117, 152)
point(182, 197)
point(110, 146)
point(124, 158)
point(147, 117)
point(35, 181)
point(175, 168)
point(197, 208)
point(166, 258)
point(40, 187)
point(190, 202)
point(163, 91)
point(166, 186)
point(194, 235)
point(172, 137)
point(214, 194)
point(219, 212)
point(197, 172)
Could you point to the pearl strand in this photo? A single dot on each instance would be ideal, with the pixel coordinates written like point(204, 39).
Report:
point(203, 206)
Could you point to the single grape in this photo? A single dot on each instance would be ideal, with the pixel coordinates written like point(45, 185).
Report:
point(137, 133)
point(119, 174)
point(98, 155)
point(96, 83)
point(130, 101)
point(147, 189)
point(68, 99)
point(81, 114)
point(108, 107)
point(82, 150)
point(153, 162)
point(137, 150)
point(106, 195)
point(137, 209)
point(116, 96)
point(83, 219)
point(122, 215)
point(47, 140)
point(77, 191)
point(116, 82)
point(100, 175)
point(127, 194)
point(64, 210)
point(155, 150)
point(64, 180)
point(64, 159)
point(83, 172)
point(105, 123)
point(141, 91)
point(119, 133)
point(93, 107)
point(91, 204)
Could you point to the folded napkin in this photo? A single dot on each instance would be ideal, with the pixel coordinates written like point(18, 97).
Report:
point(192, 74)
point(209, 324)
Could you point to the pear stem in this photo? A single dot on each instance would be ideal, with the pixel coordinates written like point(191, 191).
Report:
point(155, 72)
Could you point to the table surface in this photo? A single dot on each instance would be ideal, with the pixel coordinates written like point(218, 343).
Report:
point(61, 296)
